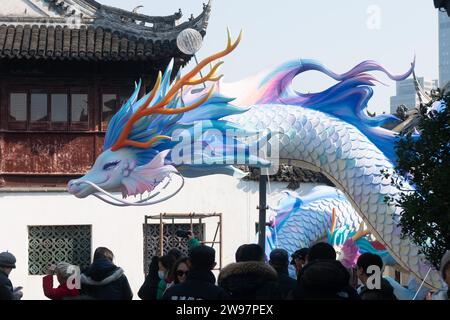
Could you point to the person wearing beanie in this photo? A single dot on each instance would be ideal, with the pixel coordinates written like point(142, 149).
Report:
point(7, 291)
point(63, 271)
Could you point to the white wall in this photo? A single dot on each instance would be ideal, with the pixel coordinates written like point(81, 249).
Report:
point(120, 229)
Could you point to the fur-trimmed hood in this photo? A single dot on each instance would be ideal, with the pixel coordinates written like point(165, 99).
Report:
point(111, 278)
point(105, 281)
point(101, 272)
point(259, 269)
point(324, 275)
point(250, 280)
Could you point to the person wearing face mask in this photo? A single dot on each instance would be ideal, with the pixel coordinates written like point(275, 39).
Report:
point(165, 264)
point(149, 288)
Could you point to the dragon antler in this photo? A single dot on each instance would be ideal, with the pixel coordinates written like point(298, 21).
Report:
point(159, 108)
point(333, 221)
point(361, 232)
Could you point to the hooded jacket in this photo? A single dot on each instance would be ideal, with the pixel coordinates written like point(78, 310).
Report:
point(250, 280)
point(324, 280)
point(105, 281)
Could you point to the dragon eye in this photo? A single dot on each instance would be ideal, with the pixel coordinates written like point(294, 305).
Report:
point(111, 165)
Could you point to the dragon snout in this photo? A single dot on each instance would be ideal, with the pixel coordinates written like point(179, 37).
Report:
point(73, 186)
point(77, 187)
point(72, 183)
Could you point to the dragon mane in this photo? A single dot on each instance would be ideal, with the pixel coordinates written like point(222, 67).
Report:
point(207, 117)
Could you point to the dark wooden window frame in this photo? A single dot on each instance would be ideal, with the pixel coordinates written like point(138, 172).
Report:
point(59, 125)
point(9, 108)
point(120, 93)
point(48, 125)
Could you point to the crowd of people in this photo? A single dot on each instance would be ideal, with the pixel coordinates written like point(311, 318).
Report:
point(319, 275)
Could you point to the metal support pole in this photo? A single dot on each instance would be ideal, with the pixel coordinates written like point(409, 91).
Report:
point(262, 211)
point(201, 75)
point(161, 235)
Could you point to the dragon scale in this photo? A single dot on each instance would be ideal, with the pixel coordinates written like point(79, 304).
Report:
point(351, 161)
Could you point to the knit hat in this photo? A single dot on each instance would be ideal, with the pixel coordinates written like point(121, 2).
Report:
point(7, 260)
point(64, 269)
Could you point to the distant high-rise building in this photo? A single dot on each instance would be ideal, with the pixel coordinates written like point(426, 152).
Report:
point(444, 48)
point(406, 92)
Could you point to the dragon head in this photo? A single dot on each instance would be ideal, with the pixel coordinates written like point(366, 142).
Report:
point(118, 171)
point(143, 140)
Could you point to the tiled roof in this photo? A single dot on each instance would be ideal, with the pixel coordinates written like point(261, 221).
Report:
point(87, 30)
point(290, 174)
point(57, 42)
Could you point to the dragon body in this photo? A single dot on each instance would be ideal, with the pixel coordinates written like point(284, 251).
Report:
point(329, 132)
point(340, 151)
point(323, 213)
point(300, 220)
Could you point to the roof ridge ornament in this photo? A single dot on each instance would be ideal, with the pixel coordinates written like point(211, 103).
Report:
point(135, 10)
point(86, 13)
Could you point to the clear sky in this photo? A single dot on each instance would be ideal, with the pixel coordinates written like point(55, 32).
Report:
point(338, 33)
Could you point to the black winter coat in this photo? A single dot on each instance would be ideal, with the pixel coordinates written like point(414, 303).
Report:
point(250, 280)
point(386, 292)
point(149, 289)
point(286, 283)
point(105, 281)
point(199, 285)
point(6, 288)
point(324, 280)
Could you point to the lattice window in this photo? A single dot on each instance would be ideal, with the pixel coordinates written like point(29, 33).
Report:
point(170, 240)
point(52, 244)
